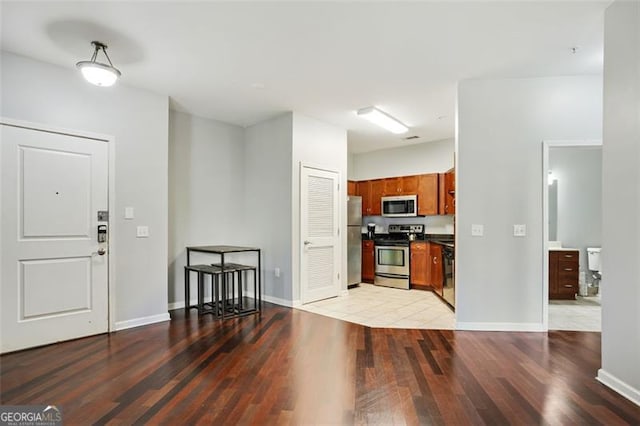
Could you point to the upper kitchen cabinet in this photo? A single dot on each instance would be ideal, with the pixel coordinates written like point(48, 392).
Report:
point(364, 190)
point(371, 191)
point(377, 190)
point(427, 194)
point(352, 187)
point(448, 192)
point(403, 185)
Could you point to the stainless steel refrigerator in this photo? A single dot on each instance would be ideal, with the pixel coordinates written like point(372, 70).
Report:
point(354, 239)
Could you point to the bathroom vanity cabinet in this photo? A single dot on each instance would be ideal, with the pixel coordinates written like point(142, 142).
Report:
point(563, 274)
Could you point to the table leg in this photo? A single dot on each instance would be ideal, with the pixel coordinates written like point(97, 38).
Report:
point(259, 273)
point(224, 285)
point(187, 291)
point(240, 290)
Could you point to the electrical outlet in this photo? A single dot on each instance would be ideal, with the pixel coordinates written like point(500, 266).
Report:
point(142, 232)
point(519, 230)
point(477, 230)
point(276, 272)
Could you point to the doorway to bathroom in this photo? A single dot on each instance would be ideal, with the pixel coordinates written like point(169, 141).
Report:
point(572, 209)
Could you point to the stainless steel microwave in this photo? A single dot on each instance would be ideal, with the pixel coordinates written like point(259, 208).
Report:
point(400, 206)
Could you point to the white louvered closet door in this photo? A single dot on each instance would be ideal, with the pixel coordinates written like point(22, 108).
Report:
point(319, 219)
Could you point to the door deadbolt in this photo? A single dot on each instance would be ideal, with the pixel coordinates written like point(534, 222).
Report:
point(102, 233)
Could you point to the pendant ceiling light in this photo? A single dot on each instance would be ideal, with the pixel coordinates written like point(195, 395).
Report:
point(99, 73)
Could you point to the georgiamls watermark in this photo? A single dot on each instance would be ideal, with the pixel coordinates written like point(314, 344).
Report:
point(30, 415)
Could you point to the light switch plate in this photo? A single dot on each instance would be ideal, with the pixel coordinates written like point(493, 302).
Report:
point(477, 230)
point(129, 213)
point(519, 230)
point(142, 232)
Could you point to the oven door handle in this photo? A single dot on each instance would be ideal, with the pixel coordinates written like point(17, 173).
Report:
point(387, 275)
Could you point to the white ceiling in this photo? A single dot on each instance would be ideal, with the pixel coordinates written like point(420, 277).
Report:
point(244, 62)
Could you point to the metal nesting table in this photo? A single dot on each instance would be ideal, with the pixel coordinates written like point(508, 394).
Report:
point(221, 250)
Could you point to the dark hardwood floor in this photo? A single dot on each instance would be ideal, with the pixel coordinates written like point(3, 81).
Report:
point(295, 367)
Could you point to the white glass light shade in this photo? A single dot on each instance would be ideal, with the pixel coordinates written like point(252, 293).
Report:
point(383, 120)
point(98, 74)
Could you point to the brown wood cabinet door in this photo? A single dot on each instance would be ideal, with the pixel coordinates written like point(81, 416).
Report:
point(377, 189)
point(352, 187)
point(419, 267)
point(368, 261)
point(428, 194)
point(364, 190)
point(435, 251)
point(450, 188)
point(392, 186)
point(409, 185)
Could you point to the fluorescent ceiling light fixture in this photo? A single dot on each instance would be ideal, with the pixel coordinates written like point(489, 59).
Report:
point(382, 119)
point(99, 73)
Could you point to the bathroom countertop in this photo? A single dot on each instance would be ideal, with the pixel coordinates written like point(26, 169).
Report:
point(563, 249)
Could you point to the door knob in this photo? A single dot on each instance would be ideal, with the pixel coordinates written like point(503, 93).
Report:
point(100, 252)
point(306, 243)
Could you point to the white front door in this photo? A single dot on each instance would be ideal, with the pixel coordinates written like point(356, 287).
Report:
point(319, 219)
point(54, 278)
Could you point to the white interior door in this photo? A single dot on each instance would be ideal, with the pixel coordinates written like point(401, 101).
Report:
point(319, 219)
point(54, 272)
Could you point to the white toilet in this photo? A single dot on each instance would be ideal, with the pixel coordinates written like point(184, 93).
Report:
point(595, 266)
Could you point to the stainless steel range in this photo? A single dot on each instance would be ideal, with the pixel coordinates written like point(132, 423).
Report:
point(392, 255)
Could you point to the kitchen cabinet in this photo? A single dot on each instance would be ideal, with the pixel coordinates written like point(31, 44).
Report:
point(447, 198)
point(563, 274)
point(352, 187)
point(368, 261)
point(377, 190)
point(403, 185)
point(435, 257)
point(428, 194)
point(435, 192)
point(364, 190)
point(371, 191)
point(420, 271)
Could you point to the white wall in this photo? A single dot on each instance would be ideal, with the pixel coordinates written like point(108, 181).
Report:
point(579, 195)
point(501, 126)
point(621, 201)
point(43, 93)
point(324, 146)
point(428, 157)
point(206, 190)
point(267, 201)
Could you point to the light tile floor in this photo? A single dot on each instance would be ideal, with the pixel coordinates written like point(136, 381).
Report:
point(386, 307)
point(583, 314)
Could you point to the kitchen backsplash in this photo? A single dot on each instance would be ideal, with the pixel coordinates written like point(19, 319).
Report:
point(432, 224)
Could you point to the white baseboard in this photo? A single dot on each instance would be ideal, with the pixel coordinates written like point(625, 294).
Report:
point(624, 389)
point(137, 322)
point(500, 326)
point(343, 293)
point(278, 301)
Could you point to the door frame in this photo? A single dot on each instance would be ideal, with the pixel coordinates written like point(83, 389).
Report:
point(111, 197)
point(340, 211)
point(547, 144)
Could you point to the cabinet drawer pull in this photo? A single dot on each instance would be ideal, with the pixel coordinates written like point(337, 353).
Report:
point(568, 255)
point(568, 286)
point(568, 269)
point(435, 259)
